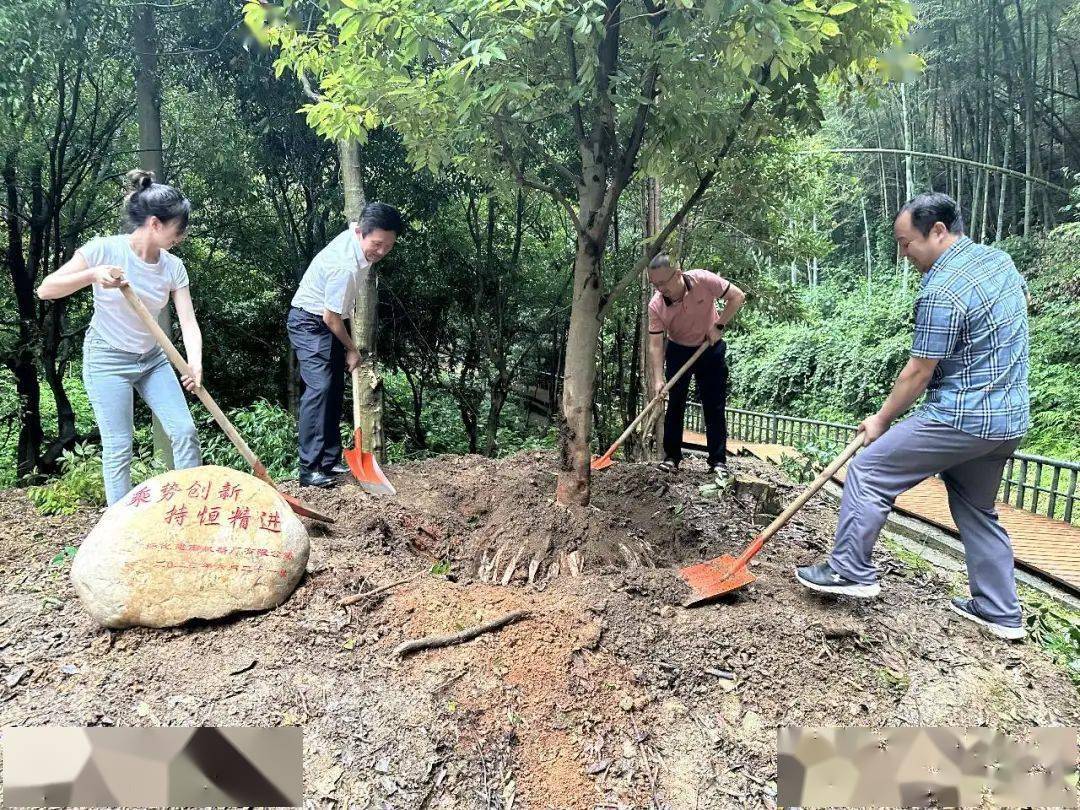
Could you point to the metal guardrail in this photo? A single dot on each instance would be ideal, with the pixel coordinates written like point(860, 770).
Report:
point(1027, 478)
point(1044, 486)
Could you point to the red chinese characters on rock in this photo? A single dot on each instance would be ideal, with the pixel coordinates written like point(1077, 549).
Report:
point(200, 492)
point(188, 507)
point(210, 516)
point(140, 496)
point(168, 490)
point(240, 517)
point(270, 521)
point(176, 515)
point(229, 491)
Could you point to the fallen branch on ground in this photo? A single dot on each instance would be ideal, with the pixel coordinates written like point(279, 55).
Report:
point(432, 642)
point(360, 597)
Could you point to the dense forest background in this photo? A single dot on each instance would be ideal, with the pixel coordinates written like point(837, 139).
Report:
point(474, 303)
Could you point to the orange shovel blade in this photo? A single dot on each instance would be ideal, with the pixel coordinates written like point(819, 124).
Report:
point(303, 509)
point(366, 469)
point(602, 462)
point(714, 578)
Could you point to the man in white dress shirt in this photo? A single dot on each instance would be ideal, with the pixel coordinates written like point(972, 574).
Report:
point(320, 335)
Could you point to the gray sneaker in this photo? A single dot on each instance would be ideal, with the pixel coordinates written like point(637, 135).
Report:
point(823, 579)
point(967, 609)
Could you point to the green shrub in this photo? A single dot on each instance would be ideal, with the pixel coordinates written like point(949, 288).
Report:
point(837, 365)
point(81, 482)
point(269, 430)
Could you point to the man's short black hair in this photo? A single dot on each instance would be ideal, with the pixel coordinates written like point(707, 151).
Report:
point(926, 209)
point(380, 215)
point(660, 260)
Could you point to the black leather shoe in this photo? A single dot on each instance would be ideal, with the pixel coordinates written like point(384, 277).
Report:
point(338, 469)
point(314, 478)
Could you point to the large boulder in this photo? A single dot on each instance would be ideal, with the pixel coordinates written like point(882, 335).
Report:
point(198, 543)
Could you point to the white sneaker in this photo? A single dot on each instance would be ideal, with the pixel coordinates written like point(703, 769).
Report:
point(823, 579)
point(966, 608)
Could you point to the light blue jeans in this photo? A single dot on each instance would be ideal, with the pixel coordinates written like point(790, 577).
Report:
point(110, 377)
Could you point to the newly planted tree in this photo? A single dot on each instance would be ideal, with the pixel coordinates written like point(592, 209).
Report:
point(574, 99)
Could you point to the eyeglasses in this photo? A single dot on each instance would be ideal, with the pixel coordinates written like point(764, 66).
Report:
point(659, 284)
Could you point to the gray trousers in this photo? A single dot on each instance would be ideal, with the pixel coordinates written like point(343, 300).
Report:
point(910, 452)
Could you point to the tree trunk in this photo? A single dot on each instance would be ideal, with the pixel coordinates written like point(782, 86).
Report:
point(908, 183)
point(868, 254)
point(416, 386)
point(151, 157)
point(652, 428)
point(498, 394)
point(21, 360)
point(580, 375)
point(147, 92)
point(884, 185)
point(1029, 113)
point(351, 180)
point(1000, 232)
point(365, 312)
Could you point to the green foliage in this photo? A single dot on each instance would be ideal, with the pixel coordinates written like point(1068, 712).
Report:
point(837, 364)
point(717, 488)
point(813, 455)
point(1052, 267)
point(463, 95)
point(797, 468)
point(1055, 629)
point(444, 430)
point(81, 482)
point(269, 430)
point(63, 558)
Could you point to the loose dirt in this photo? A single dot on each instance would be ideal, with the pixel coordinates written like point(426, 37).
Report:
point(609, 695)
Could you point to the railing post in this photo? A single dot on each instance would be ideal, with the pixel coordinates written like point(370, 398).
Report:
point(1050, 510)
point(1071, 497)
point(774, 424)
point(1021, 483)
point(1035, 492)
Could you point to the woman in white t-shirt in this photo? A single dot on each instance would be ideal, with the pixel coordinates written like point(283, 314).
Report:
point(119, 354)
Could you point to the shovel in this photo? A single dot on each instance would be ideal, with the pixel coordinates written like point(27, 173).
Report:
point(606, 460)
point(363, 464)
point(725, 573)
point(223, 421)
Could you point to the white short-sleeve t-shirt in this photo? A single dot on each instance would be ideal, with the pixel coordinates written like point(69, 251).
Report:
point(332, 278)
point(114, 319)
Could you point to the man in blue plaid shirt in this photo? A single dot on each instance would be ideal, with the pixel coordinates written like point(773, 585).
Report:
point(970, 356)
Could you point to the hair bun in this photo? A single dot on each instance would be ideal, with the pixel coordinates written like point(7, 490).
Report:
point(139, 179)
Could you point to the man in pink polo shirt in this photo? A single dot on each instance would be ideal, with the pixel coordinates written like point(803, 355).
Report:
point(684, 308)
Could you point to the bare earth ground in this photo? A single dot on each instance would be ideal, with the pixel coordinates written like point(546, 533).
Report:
point(609, 695)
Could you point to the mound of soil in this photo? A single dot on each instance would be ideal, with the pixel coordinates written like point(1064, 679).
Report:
point(607, 695)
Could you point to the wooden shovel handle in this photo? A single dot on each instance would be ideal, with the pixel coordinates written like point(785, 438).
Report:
point(798, 503)
point(660, 395)
point(818, 483)
point(181, 364)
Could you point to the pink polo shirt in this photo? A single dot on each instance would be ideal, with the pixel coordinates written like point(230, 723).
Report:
point(688, 320)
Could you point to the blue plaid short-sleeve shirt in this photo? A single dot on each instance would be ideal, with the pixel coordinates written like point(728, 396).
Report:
point(971, 315)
